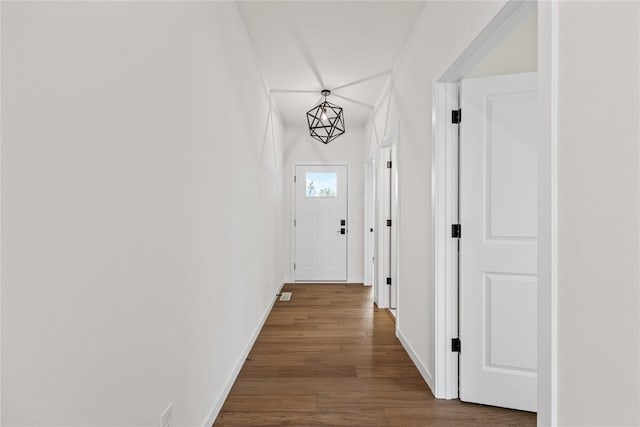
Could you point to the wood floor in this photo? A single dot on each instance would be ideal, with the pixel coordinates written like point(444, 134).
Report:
point(329, 358)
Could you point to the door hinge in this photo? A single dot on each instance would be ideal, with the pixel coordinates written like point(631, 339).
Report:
point(389, 164)
point(456, 116)
point(294, 265)
point(294, 178)
point(294, 222)
point(455, 345)
point(456, 231)
point(388, 223)
point(388, 280)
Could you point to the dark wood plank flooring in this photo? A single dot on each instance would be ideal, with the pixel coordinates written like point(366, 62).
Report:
point(329, 358)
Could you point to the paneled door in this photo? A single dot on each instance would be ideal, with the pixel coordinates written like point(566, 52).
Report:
point(320, 223)
point(498, 265)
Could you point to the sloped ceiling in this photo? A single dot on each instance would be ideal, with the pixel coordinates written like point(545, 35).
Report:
point(312, 45)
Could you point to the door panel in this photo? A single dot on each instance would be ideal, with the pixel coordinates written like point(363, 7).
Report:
point(510, 319)
point(320, 208)
point(510, 166)
point(498, 265)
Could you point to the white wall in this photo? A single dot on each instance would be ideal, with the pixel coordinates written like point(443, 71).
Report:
point(135, 155)
point(299, 148)
point(598, 214)
point(516, 53)
point(425, 57)
point(598, 173)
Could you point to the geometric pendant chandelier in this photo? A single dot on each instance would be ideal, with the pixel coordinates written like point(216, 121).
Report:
point(326, 120)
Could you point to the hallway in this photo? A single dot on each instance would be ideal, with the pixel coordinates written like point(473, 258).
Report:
point(326, 357)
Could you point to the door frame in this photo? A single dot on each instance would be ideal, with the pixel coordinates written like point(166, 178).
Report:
point(369, 265)
point(293, 216)
point(444, 193)
point(395, 228)
point(382, 260)
point(390, 262)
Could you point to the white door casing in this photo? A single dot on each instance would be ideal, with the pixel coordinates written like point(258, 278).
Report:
point(386, 209)
point(390, 230)
point(369, 222)
point(386, 228)
point(320, 207)
point(498, 248)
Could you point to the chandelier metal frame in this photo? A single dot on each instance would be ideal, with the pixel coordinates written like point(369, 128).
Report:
point(326, 120)
point(326, 129)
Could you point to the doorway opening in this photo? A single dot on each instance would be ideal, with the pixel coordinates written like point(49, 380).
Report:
point(384, 240)
point(446, 202)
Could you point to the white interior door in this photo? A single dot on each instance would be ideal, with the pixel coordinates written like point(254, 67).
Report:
point(498, 214)
point(389, 233)
point(321, 223)
point(384, 236)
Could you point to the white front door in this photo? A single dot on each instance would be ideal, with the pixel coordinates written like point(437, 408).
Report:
point(498, 214)
point(320, 223)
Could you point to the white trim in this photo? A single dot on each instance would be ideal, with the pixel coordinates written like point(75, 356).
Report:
point(217, 406)
point(445, 190)
point(355, 281)
point(548, 214)
point(368, 205)
point(384, 154)
point(395, 227)
point(1, 376)
point(292, 229)
point(445, 212)
point(505, 21)
point(422, 367)
point(381, 274)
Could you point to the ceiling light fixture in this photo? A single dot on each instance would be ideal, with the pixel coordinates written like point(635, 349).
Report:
point(326, 120)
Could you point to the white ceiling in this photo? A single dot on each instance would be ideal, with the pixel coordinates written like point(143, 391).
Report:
point(311, 45)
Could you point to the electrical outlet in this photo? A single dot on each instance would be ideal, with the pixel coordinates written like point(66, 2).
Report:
point(165, 416)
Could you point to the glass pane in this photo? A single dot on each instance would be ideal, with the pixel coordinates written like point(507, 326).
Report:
point(321, 184)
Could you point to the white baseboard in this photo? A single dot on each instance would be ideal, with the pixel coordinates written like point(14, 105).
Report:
point(349, 280)
point(213, 414)
point(428, 377)
point(355, 281)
